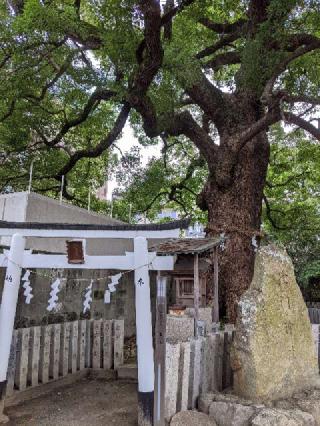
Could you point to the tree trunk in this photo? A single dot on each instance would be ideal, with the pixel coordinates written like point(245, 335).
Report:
point(235, 210)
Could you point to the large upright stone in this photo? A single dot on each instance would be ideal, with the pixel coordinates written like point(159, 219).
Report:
point(273, 354)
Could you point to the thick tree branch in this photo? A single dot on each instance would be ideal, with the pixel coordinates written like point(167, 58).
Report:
point(223, 28)
point(271, 117)
point(223, 42)
point(149, 58)
point(228, 58)
point(167, 17)
point(303, 124)
point(313, 44)
point(292, 99)
point(184, 124)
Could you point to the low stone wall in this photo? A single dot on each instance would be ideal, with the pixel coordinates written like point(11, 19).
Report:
point(196, 367)
point(41, 354)
point(301, 409)
point(201, 367)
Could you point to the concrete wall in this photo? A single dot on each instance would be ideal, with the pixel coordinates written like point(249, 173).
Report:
point(24, 207)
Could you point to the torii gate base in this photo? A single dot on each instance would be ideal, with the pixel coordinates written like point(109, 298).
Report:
point(8, 312)
point(144, 333)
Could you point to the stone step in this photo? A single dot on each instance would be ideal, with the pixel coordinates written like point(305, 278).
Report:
point(128, 371)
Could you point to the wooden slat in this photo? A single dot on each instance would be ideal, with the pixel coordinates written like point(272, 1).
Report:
point(12, 364)
point(73, 349)
point(34, 356)
point(107, 344)
point(44, 354)
point(55, 351)
point(64, 348)
point(118, 333)
point(96, 344)
point(22, 359)
point(88, 358)
point(82, 344)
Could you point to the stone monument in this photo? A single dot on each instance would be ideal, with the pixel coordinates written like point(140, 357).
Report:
point(273, 354)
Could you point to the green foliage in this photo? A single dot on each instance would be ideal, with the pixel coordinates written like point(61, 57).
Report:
point(161, 184)
point(293, 192)
point(47, 76)
point(310, 270)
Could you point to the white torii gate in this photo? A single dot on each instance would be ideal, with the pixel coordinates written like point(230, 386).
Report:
point(141, 261)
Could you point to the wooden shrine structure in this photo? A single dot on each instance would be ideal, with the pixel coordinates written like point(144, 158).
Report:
point(140, 261)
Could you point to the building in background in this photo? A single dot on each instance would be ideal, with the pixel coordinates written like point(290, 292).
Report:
point(102, 192)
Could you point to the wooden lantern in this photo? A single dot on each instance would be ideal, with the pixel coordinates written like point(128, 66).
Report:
point(75, 252)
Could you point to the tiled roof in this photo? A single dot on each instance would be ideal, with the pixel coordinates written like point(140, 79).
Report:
point(185, 245)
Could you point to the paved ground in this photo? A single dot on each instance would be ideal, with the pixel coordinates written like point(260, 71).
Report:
point(89, 402)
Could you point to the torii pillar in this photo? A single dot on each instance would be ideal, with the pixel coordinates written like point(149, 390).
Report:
point(8, 310)
point(144, 333)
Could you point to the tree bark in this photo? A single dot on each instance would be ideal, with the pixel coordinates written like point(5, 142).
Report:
point(235, 210)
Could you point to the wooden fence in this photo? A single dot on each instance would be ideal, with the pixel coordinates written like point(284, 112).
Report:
point(44, 353)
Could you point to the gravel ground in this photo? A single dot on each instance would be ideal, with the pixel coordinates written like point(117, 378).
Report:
point(90, 402)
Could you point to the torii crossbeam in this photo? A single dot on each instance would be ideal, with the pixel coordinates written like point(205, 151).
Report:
point(141, 261)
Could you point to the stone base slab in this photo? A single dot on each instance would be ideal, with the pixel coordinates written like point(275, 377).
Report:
point(302, 409)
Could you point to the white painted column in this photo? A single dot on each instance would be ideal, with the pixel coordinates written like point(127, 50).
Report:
point(9, 305)
point(144, 333)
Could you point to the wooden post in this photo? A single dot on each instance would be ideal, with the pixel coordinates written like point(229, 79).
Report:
point(8, 309)
point(196, 291)
point(144, 333)
point(160, 353)
point(216, 287)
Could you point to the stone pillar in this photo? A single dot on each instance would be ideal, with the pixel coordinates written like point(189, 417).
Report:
point(8, 310)
point(144, 333)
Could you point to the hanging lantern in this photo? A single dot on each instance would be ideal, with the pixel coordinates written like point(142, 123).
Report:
point(75, 251)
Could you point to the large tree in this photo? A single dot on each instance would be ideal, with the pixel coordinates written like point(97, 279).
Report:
point(218, 73)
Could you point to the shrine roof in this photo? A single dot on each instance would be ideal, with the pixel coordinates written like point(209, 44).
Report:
point(185, 245)
point(178, 224)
